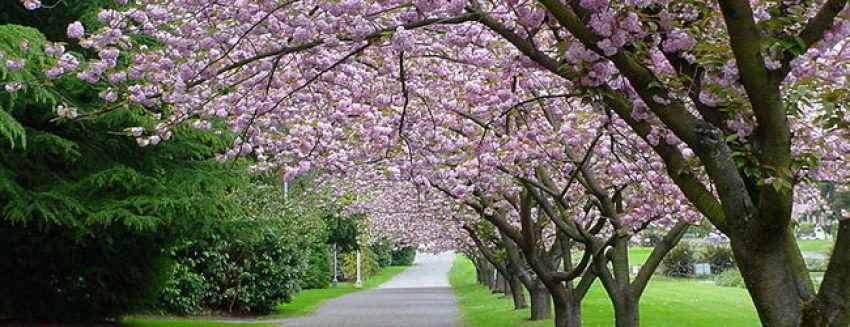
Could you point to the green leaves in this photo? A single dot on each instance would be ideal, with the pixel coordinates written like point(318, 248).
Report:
point(794, 44)
point(11, 130)
point(247, 262)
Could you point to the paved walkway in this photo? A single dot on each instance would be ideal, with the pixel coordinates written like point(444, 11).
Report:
point(417, 297)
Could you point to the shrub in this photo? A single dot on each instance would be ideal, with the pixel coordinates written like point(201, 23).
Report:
point(249, 263)
point(804, 229)
point(57, 275)
point(651, 239)
point(680, 261)
point(404, 256)
point(383, 253)
point(817, 265)
point(730, 278)
point(234, 271)
point(719, 257)
point(368, 264)
point(318, 274)
point(185, 291)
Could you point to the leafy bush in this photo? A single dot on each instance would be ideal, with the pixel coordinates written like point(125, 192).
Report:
point(55, 275)
point(234, 271)
point(246, 264)
point(318, 274)
point(719, 257)
point(368, 264)
point(680, 261)
point(383, 253)
point(404, 256)
point(804, 229)
point(185, 290)
point(651, 238)
point(817, 265)
point(730, 278)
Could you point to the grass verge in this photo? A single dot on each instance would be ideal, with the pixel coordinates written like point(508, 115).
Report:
point(667, 302)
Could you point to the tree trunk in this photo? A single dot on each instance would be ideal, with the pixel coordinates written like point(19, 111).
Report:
point(567, 305)
point(479, 271)
point(489, 279)
point(506, 285)
point(499, 283)
point(517, 292)
point(771, 273)
point(626, 313)
point(567, 314)
point(831, 307)
point(541, 302)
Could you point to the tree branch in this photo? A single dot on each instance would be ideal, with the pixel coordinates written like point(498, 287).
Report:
point(658, 253)
point(811, 34)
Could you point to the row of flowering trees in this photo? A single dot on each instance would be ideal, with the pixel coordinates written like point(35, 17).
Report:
point(546, 127)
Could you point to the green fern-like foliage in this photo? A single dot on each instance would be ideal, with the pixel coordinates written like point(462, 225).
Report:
point(86, 212)
point(86, 173)
point(11, 38)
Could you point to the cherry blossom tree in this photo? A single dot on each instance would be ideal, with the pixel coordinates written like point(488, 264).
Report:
point(736, 101)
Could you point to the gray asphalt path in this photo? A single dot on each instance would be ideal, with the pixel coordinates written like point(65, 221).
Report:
point(417, 297)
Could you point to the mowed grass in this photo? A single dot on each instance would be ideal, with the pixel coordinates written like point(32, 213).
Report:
point(309, 300)
point(822, 246)
point(303, 304)
point(667, 302)
point(638, 255)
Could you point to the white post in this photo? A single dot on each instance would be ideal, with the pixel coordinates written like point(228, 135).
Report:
point(359, 283)
point(336, 270)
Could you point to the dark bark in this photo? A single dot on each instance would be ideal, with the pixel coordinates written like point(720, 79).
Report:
point(626, 310)
point(626, 313)
point(489, 280)
point(499, 282)
point(520, 277)
point(496, 277)
point(541, 302)
point(506, 286)
point(567, 311)
point(755, 219)
point(831, 307)
point(517, 292)
point(479, 273)
point(772, 278)
point(667, 243)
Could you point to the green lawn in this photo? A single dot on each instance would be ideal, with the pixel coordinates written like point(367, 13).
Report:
point(304, 304)
point(638, 255)
point(822, 246)
point(666, 302)
point(309, 300)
